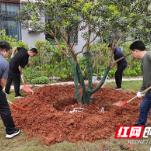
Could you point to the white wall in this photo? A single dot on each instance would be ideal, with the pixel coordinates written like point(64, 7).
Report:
point(82, 42)
point(31, 37)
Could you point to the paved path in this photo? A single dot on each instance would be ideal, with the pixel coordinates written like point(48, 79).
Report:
point(71, 82)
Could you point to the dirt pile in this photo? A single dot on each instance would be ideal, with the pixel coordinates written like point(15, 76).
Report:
point(52, 117)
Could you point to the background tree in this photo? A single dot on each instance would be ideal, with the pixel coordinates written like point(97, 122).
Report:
point(111, 21)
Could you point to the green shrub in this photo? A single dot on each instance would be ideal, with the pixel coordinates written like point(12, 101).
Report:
point(30, 73)
point(40, 80)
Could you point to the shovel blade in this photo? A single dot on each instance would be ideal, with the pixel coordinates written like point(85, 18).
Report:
point(121, 104)
point(27, 89)
point(103, 85)
point(20, 108)
point(117, 103)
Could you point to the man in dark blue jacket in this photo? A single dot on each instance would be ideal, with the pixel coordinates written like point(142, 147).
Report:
point(121, 65)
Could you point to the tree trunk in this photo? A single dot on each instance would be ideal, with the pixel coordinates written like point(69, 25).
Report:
point(75, 77)
point(78, 78)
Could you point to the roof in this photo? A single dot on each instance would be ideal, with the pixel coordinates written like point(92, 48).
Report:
point(10, 1)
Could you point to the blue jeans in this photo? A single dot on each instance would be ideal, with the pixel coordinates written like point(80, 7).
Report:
point(144, 109)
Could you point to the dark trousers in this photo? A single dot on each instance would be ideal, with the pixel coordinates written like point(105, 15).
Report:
point(16, 79)
point(144, 109)
point(6, 114)
point(118, 75)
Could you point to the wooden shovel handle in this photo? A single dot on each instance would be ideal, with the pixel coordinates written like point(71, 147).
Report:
point(23, 81)
point(9, 102)
point(141, 93)
point(115, 62)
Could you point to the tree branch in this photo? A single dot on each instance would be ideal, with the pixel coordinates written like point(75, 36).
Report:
point(120, 39)
point(85, 45)
point(148, 44)
point(60, 47)
point(88, 40)
point(62, 35)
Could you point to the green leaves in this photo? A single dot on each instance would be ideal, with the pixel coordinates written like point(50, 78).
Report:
point(66, 17)
point(40, 80)
point(87, 8)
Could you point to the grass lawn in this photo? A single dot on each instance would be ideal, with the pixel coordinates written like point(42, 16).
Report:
point(22, 143)
point(127, 86)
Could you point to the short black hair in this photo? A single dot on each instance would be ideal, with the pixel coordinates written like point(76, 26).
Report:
point(138, 45)
point(34, 50)
point(5, 45)
point(110, 45)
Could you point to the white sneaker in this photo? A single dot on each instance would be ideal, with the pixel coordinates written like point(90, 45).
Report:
point(16, 132)
point(19, 97)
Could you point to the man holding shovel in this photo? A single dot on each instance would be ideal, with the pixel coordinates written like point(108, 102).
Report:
point(5, 113)
point(121, 65)
point(139, 52)
point(18, 62)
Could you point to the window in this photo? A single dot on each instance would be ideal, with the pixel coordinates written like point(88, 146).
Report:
point(75, 38)
point(8, 22)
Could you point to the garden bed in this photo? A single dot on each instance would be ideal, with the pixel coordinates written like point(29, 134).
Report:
point(52, 119)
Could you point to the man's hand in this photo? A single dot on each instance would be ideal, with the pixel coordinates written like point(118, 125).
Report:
point(113, 64)
point(3, 82)
point(21, 72)
point(12, 56)
point(32, 92)
point(21, 75)
point(14, 51)
point(139, 95)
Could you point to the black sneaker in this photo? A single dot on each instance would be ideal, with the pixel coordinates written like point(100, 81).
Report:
point(16, 132)
point(19, 96)
point(117, 88)
point(6, 92)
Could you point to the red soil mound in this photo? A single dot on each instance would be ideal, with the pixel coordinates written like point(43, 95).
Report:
point(50, 120)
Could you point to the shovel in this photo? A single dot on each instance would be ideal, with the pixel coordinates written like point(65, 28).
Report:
point(104, 81)
point(121, 103)
point(19, 108)
point(26, 88)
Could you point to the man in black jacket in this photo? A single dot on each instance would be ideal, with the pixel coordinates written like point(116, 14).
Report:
point(18, 62)
point(121, 65)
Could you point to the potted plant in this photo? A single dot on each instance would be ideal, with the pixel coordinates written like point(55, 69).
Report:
point(94, 78)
